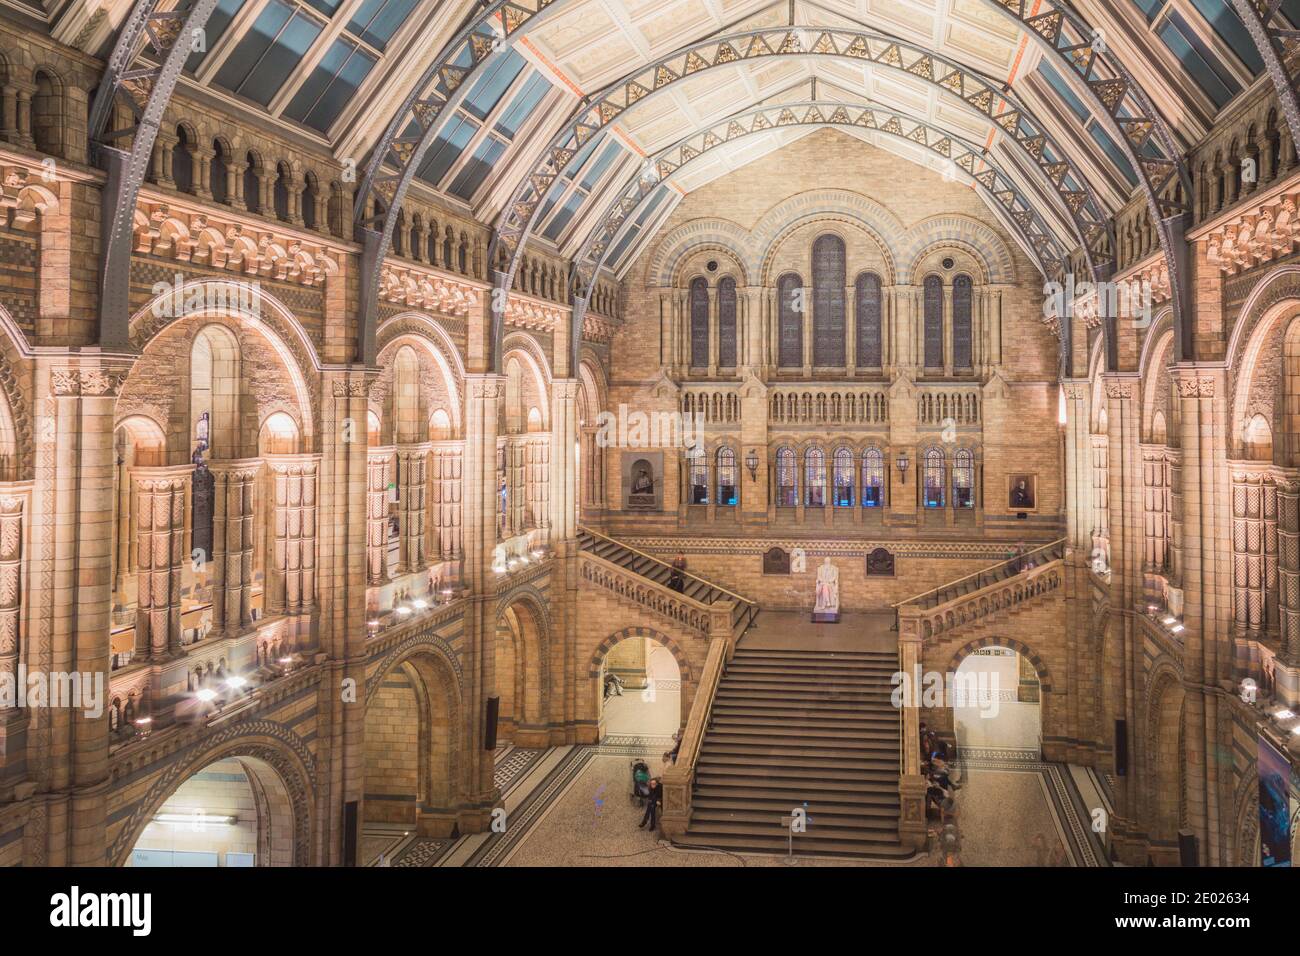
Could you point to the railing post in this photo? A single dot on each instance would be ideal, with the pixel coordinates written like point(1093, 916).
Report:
point(911, 785)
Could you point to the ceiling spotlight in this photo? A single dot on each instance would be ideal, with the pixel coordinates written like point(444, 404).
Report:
point(206, 694)
point(236, 682)
point(420, 604)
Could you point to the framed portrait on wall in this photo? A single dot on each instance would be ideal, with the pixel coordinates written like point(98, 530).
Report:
point(1022, 492)
point(643, 480)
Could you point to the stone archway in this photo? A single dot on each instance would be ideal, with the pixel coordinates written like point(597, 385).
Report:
point(1165, 765)
point(279, 769)
point(1000, 703)
point(522, 673)
point(414, 768)
point(663, 683)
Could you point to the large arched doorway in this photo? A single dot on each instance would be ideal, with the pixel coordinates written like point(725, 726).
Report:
point(235, 812)
point(639, 690)
point(411, 777)
point(521, 676)
point(997, 702)
point(1166, 756)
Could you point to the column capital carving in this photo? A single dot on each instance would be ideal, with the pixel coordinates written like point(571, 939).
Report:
point(239, 469)
point(293, 464)
point(485, 385)
point(88, 380)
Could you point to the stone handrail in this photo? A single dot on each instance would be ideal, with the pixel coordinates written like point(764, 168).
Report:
point(704, 619)
point(966, 600)
point(981, 602)
point(679, 779)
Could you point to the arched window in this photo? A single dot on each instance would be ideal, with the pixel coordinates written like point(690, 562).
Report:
point(218, 172)
point(280, 192)
point(963, 478)
point(726, 476)
point(310, 193)
point(698, 467)
point(727, 323)
point(932, 478)
point(252, 189)
point(828, 301)
point(787, 494)
point(183, 161)
point(699, 323)
point(843, 475)
point(873, 478)
point(866, 301)
point(933, 322)
point(790, 321)
point(961, 322)
point(815, 477)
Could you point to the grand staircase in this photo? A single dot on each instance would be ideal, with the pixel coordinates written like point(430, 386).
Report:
point(801, 729)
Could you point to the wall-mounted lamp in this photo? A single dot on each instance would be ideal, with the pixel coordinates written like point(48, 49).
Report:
point(751, 462)
point(902, 464)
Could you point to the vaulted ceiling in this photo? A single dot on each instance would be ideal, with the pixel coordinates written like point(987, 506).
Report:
point(342, 71)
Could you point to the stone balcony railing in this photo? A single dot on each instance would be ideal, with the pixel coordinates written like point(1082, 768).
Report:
point(865, 404)
point(703, 619)
point(937, 404)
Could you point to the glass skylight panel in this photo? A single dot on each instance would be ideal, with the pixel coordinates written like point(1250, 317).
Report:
point(377, 20)
point(599, 166)
point(620, 248)
point(326, 7)
point(331, 85)
point(1062, 88)
point(1209, 73)
point(269, 52)
point(1112, 150)
point(489, 89)
point(1220, 15)
point(1150, 7)
point(580, 157)
point(473, 173)
point(564, 216)
point(447, 145)
point(522, 106)
point(218, 23)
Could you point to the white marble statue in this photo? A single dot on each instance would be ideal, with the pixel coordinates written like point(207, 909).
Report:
point(828, 588)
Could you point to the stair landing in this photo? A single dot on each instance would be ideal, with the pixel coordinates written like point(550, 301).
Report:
point(794, 631)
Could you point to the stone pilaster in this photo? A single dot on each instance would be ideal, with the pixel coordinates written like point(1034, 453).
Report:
point(13, 721)
point(379, 463)
point(233, 542)
point(161, 495)
point(72, 517)
point(413, 484)
point(291, 583)
point(1206, 581)
point(483, 397)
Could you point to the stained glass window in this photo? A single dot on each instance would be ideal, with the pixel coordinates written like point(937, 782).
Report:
point(790, 321)
point(963, 479)
point(786, 492)
point(828, 301)
point(727, 323)
point(843, 474)
point(815, 469)
point(933, 478)
point(726, 476)
point(866, 298)
point(873, 478)
point(933, 322)
point(699, 476)
point(961, 322)
point(699, 323)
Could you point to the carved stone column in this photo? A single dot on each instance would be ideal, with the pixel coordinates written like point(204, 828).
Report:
point(233, 540)
point(412, 481)
point(445, 488)
point(291, 584)
point(378, 468)
point(161, 495)
point(1254, 550)
point(13, 721)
